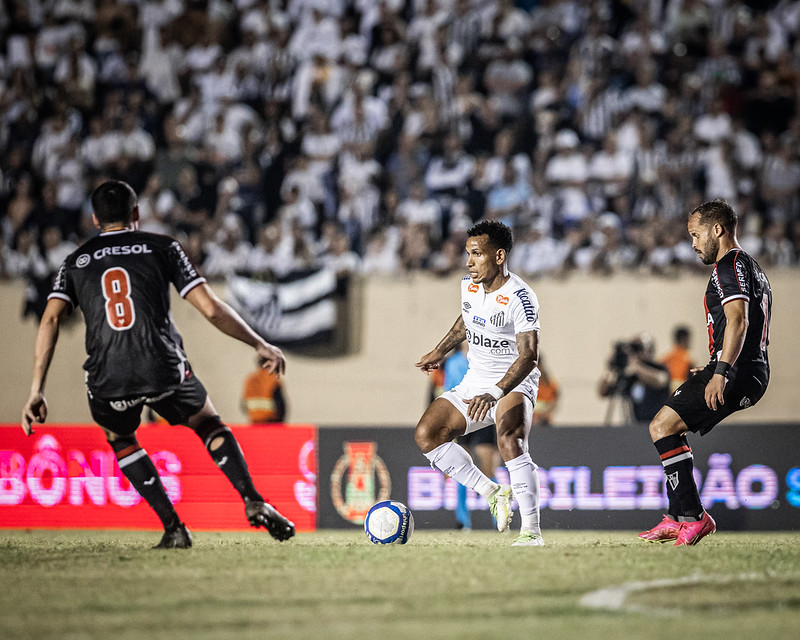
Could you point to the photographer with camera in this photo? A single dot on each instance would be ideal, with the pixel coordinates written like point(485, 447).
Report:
point(635, 379)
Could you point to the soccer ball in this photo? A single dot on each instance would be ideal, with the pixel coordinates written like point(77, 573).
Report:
point(389, 522)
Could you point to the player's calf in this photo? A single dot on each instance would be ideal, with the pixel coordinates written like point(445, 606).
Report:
point(140, 471)
point(227, 455)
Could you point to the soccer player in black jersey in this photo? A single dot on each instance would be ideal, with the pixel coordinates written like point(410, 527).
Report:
point(120, 279)
point(738, 302)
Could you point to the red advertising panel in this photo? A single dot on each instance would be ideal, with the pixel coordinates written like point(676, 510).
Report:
point(67, 477)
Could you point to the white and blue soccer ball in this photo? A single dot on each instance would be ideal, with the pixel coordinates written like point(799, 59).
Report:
point(389, 522)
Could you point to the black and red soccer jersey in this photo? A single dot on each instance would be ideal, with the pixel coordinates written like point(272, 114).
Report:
point(737, 276)
point(121, 280)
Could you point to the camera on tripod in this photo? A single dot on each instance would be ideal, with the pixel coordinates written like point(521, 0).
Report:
point(622, 352)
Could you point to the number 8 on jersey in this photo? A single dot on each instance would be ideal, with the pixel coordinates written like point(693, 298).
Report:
point(120, 313)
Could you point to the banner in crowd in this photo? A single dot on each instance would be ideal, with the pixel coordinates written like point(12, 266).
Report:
point(591, 478)
point(299, 308)
point(68, 477)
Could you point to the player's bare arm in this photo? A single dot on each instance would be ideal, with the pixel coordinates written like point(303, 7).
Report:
point(735, 330)
point(35, 409)
point(457, 334)
point(528, 347)
point(224, 318)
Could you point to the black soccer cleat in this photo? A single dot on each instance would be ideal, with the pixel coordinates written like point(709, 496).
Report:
point(262, 514)
point(176, 538)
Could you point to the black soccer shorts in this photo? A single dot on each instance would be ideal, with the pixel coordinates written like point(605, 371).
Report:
point(176, 406)
point(689, 402)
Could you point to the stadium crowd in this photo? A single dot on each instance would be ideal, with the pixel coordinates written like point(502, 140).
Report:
point(368, 135)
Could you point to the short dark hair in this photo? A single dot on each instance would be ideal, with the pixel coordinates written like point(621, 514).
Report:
point(499, 234)
point(113, 201)
point(717, 211)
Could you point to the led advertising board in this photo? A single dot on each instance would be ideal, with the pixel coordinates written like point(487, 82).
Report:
point(591, 477)
point(68, 477)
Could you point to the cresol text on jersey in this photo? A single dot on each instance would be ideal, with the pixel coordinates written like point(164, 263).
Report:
point(120, 250)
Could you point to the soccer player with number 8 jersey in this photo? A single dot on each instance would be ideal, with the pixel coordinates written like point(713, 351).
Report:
point(738, 303)
point(121, 280)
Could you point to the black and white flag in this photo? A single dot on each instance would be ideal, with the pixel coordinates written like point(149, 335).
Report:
point(299, 309)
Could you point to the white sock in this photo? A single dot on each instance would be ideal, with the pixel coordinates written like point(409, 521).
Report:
point(454, 461)
point(525, 485)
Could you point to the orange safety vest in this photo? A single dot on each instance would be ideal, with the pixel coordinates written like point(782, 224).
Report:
point(259, 396)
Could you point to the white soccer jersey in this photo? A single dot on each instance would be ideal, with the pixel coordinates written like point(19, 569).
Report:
point(492, 321)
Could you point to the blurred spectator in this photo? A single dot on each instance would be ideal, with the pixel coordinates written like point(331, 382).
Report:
point(229, 253)
point(640, 109)
point(263, 399)
point(679, 361)
point(547, 398)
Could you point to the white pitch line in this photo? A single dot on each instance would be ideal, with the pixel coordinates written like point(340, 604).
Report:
point(614, 598)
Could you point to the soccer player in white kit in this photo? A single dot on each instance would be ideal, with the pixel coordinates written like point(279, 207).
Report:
point(500, 322)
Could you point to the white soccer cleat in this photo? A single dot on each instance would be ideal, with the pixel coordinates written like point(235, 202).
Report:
point(500, 506)
point(528, 539)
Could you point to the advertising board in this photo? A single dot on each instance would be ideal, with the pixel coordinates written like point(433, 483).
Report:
point(591, 478)
point(67, 477)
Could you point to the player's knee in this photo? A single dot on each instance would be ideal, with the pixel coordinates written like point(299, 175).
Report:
point(510, 443)
point(427, 436)
point(661, 427)
point(211, 431)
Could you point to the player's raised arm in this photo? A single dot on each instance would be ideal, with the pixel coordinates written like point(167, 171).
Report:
point(457, 334)
point(224, 318)
point(35, 409)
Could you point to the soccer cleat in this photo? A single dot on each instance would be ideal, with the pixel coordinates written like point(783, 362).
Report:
point(691, 533)
point(528, 539)
point(664, 531)
point(262, 514)
point(500, 506)
point(177, 538)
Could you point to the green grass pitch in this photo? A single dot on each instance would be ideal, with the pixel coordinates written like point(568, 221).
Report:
point(442, 584)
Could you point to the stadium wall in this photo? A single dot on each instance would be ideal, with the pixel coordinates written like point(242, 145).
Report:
point(399, 320)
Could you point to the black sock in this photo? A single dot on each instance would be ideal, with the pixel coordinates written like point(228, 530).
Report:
point(226, 453)
point(676, 456)
point(139, 469)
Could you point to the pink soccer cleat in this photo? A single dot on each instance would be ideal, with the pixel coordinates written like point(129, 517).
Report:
point(664, 531)
point(693, 532)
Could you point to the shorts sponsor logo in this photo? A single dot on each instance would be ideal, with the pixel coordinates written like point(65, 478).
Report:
point(746, 402)
point(501, 299)
point(473, 288)
point(83, 260)
point(128, 403)
point(479, 321)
